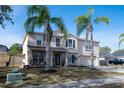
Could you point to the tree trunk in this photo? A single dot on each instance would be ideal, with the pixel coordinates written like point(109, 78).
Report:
point(92, 51)
point(87, 35)
point(7, 63)
point(48, 50)
point(90, 30)
point(48, 55)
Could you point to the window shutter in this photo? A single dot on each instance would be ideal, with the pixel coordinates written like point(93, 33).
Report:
point(66, 43)
point(73, 43)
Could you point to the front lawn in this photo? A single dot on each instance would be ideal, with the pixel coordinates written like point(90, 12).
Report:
point(64, 74)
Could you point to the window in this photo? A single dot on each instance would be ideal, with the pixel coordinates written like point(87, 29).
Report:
point(38, 57)
point(38, 42)
point(88, 45)
point(70, 43)
point(73, 59)
point(35, 59)
point(57, 41)
point(73, 43)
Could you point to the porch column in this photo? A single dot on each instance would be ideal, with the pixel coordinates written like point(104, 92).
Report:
point(29, 57)
point(51, 62)
point(66, 59)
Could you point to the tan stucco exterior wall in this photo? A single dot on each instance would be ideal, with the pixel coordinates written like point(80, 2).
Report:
point(25, 51)
point(83, 56)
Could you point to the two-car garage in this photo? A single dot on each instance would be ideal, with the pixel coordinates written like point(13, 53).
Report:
point(86, 61)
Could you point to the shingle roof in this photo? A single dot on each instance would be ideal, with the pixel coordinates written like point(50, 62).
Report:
point(102, 55)
point(3, 48)
point(118, 53)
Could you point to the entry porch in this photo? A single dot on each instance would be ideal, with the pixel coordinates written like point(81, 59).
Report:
point(37, 57)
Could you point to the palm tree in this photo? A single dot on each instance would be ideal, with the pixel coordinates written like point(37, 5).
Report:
point(121, 39)
point(86, 22)
point(39, 16)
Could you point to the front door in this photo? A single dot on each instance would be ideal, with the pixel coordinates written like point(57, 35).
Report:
point(57, 59)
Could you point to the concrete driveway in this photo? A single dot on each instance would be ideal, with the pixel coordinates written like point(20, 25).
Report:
point(119, 69)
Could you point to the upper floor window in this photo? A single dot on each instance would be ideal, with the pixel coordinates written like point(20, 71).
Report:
point(57, 41)
point(88, 45)
point(70, 43)
point(38, 39)
point(38, 42)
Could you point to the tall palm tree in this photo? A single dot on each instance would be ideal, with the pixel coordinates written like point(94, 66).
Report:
point(86, 22)
point(39, 16)
point(121, 39)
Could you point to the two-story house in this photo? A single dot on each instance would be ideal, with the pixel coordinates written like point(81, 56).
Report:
point(73, 51)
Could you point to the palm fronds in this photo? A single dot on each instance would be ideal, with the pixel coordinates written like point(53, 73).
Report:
point(81, 23)
point(103, 19)
point(60, 25)
point(121, 39)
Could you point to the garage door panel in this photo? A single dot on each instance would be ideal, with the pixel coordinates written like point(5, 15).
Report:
point(85, 61)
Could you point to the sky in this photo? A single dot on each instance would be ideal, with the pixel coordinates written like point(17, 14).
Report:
point(106, 35)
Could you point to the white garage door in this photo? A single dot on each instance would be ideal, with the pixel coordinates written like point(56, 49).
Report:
point(85, 61)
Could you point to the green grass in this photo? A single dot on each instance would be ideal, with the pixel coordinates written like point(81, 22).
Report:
point(66, 74)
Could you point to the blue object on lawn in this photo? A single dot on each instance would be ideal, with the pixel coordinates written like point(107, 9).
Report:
point(13, 78)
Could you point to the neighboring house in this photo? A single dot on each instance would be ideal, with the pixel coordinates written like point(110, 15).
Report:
point(71, 52)
point(104, 58)
point(3, 49)
point(119, 54)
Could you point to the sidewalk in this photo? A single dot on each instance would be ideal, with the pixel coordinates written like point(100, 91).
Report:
point(111, 69)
